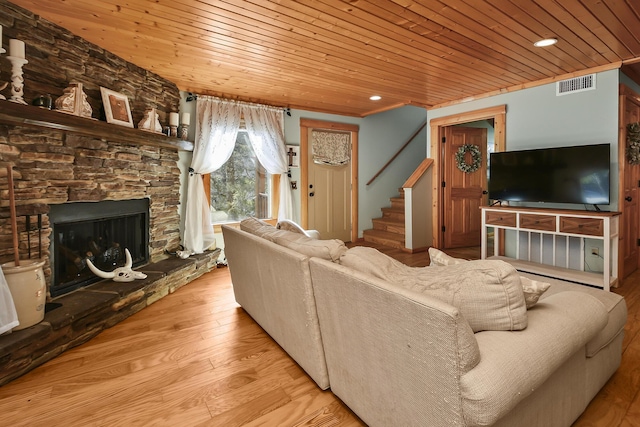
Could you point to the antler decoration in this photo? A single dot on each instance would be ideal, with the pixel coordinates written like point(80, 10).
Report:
point(120, 274)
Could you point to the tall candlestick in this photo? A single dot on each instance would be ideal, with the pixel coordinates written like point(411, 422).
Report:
point(17, 81)
point(16, 48)
point(173, 119)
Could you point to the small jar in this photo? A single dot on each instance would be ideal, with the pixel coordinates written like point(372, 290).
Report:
point(43, 101)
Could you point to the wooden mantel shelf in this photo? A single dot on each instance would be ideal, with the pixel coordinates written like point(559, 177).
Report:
point(27, 115)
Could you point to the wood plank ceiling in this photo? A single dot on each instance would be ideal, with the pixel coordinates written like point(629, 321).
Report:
point(332, 55)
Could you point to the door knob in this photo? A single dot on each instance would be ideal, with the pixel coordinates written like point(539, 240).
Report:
point(628, 198)
point(311, 194)
point(485, 192)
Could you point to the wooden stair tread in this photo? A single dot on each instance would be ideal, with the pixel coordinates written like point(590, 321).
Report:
point(393, 209)
point(388, 220)
point(389, 230)
point(385, 238)
point(389, 224)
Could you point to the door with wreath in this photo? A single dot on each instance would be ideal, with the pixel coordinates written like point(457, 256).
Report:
point(465, 185)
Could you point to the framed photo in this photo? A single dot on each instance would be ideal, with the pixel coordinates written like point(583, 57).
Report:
point(116, 107)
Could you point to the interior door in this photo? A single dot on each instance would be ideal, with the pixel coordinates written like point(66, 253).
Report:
point(329, 199)
point(463, 192)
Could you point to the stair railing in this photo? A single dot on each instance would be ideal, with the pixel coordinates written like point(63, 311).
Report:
point(398, 152)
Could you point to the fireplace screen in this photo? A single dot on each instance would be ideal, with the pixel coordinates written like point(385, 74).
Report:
point(98, 231)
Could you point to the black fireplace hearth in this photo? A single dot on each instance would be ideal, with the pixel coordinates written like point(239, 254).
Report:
point(99, 231)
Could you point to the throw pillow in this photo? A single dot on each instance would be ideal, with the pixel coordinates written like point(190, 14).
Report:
point(532, 288)
point(488, 293)
point(289, 225)
point(259, 228)
point(331, 250)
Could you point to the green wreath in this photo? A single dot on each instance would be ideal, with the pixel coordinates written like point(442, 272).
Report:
point(461, 158)
point(633, 143)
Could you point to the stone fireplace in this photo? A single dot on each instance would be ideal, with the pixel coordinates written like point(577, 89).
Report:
point(100, 232)
point(93, 190)
point(66, 174)
point(62, 161)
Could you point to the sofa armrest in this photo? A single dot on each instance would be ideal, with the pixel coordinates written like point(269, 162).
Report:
point(289, 225)
point(393, 355)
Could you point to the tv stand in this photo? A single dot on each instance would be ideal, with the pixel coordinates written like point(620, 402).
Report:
point(551, 242)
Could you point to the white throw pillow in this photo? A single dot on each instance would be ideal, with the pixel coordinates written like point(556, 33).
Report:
point(532, 288)
point(487, 293)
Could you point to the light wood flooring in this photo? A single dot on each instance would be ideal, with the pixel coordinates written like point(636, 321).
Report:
point(195, 358)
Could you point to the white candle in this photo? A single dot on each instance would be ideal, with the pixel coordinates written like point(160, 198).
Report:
point(0, 36)
point(173, 119)
point(186, 117)
point(16, 48)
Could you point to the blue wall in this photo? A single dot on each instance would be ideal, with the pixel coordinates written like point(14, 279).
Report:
point(537, 118)
point(380, 136)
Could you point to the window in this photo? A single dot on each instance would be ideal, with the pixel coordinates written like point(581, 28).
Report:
point(241, 187)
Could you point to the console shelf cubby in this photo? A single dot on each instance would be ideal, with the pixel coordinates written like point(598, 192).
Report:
point(552, 242)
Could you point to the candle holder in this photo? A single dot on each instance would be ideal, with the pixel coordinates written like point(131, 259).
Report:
point(174, 131)
point(17, 81)
point(184, 132)
point(2, 86)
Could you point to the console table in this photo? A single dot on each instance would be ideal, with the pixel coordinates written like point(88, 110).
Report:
point(552, 242)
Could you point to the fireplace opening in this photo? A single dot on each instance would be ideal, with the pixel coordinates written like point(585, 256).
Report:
point(99, 231)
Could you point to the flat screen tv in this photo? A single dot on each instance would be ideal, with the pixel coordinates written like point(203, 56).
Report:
point(577, 174)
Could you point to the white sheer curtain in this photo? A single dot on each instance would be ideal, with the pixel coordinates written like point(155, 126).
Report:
point(217, 126)
point(265, 126)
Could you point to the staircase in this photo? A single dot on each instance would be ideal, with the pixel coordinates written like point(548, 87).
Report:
point(389, 230)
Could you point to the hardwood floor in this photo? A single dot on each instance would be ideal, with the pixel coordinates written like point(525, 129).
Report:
point(195, 358)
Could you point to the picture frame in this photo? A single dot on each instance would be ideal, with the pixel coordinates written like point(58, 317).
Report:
point(116, 107)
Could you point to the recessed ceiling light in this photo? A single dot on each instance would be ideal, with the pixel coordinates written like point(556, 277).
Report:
point(375, 98)
point(545, 42)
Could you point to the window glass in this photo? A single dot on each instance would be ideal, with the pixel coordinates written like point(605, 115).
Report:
point(241, 187)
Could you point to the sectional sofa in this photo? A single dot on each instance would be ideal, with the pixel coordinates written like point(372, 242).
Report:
point(467, 344)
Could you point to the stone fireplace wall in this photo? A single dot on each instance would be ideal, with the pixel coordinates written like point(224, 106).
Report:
point(54, 166)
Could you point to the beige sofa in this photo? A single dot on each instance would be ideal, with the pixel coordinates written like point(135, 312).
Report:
point(272, 282)
point(400, 355)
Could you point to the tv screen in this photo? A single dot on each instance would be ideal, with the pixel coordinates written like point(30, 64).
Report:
point(578, 174)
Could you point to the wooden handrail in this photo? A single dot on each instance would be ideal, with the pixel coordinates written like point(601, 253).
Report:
point(398, 152)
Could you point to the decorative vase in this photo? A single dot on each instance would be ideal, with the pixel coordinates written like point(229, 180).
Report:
point(74, 101)
point(28, 290)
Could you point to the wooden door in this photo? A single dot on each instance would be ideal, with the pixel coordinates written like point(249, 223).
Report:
point(329, 198)
point(629, 225)
point(463, 192)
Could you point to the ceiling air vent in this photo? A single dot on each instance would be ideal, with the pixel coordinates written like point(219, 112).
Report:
point(577, 84)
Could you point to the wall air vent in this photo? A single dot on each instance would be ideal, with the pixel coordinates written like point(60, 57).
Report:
point(577, 84)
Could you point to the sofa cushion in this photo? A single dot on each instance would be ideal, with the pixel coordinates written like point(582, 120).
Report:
point(487, 293)
point(514, 364)
point(331, 250)
point(533, 289)
point(259, 228)
point(614, 304)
